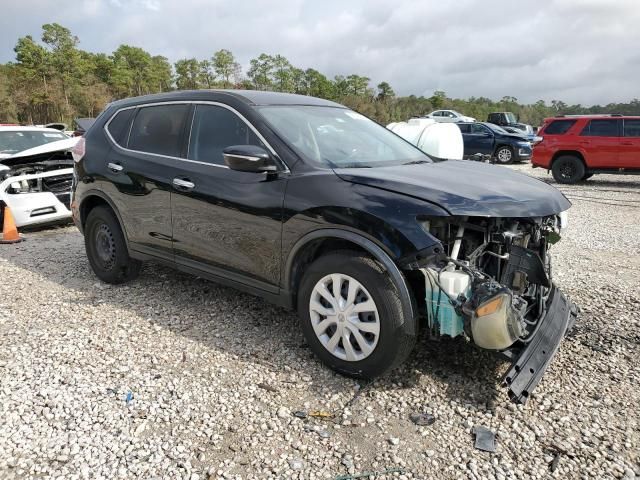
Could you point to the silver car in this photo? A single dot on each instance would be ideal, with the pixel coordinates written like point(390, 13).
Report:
point(449, 116)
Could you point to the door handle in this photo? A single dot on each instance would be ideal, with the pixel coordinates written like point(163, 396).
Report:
point(183, 184)
point(626, 143)
point(115, 167)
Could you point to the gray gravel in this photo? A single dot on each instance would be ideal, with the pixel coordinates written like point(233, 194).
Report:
point(173, 376)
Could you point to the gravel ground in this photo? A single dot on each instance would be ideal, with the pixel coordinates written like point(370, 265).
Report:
point(173, 376)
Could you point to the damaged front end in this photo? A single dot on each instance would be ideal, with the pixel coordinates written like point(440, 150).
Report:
point(489, 279)
point(37, 187)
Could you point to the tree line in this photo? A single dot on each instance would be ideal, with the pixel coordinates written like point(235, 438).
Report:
point(52, 79)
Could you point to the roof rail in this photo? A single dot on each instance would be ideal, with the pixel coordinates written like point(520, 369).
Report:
point(591, 115)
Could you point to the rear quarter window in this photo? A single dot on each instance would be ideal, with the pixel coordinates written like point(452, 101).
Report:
point(118, 127)
point(632, 128)
point(559, 127)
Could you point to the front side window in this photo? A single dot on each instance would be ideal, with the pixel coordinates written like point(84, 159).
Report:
point(158, 129)
point(339, 137)
point(214, 129)
point(601, 128)
point(632, 128)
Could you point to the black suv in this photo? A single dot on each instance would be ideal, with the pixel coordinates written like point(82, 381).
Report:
point(315, 207)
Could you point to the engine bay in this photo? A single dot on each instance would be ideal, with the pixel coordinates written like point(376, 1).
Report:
point(491, 279)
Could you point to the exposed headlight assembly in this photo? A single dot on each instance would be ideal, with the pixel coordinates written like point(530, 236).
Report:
point(495, 316)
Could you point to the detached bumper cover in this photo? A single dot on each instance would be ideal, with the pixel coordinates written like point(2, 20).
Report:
point(535, 357)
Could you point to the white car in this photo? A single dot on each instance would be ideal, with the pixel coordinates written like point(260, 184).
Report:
point(449, 116)
point(36, 172)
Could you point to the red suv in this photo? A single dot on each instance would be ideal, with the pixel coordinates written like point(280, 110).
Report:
point(576, 147)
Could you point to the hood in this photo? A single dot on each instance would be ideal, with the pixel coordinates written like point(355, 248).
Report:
point(41, 152)
point(465, 188)
point(520, 137)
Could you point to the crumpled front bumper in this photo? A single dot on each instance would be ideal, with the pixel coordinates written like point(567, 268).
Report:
point(36, 208)
point(533, 359)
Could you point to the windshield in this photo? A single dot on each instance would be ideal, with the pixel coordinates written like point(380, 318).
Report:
point(340, 138)
point(511, 118)
point(15, 141)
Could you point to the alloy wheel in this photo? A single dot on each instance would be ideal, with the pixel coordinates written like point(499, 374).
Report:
point(504, 155)
point(344, 317)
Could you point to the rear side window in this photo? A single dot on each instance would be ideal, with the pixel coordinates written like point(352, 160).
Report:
point(464, 128)
point(158, 129)
point(119, 126)
point(214, 129)
point(632, 128)
point(559, 127)
point(601, 128)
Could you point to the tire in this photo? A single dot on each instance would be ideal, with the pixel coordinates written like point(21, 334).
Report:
point(106, 248)
point(372, 353)
point(504, 155)
point(568, 169)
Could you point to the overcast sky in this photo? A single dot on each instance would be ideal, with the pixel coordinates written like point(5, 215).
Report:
point(578, 51)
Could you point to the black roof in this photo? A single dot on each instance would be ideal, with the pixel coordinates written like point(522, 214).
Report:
point(249, 97)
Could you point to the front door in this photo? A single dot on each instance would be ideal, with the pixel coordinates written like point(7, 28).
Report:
point(630, 144)
point(225, 222)
point(478, 140)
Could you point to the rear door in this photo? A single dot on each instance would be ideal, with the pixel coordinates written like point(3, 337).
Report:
point(630, 144)
point(140, 170)
point(600, 141)
point(225, 222)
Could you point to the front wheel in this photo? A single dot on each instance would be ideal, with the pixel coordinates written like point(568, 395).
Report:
point(351, 315)
point(504, 155)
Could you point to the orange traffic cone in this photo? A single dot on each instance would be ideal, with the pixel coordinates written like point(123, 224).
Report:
point(9, 230)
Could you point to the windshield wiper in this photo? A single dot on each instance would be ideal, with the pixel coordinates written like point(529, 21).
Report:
point(416, 162)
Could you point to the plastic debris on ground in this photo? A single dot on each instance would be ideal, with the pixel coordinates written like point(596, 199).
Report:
point(369, 474)
point(422, 419)
point(485, 439)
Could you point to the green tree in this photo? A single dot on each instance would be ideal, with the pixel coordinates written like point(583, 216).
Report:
point(260, 72)
point(385, 91)
point(130, 76)
point(64, 57)
point(225, 66)
point(438, 99)
point(187, 74)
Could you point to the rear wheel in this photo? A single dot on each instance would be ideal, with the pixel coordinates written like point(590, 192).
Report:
point(106, 248)
point(568, 169)
point(504, 155)
point(351, 315)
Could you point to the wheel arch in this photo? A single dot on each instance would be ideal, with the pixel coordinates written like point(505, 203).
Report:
point(313, 244)
point(91, 200)
point(570, 153)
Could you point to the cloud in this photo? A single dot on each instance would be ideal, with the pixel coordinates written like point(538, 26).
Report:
point(580, 51)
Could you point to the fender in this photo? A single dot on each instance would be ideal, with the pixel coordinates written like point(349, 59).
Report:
point(410, 317)
point(97, 193)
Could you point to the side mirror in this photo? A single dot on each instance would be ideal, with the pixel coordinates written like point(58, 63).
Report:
point(249, 158)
